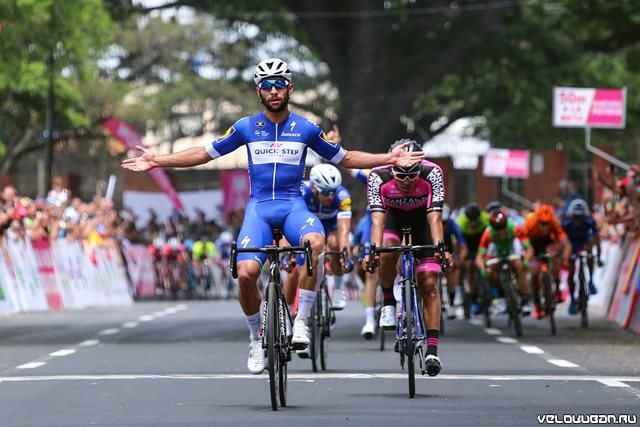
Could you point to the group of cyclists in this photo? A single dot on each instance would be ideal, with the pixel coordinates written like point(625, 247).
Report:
point(403, 190)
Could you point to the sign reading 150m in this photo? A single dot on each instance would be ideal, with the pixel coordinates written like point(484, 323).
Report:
point(588, 107)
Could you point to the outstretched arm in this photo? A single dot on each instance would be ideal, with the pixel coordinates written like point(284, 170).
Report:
point(397, 157)
point(190, 157)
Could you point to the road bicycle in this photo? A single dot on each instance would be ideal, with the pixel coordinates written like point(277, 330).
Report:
point(548, 300)
point(509, 286)
point(276, 339)
point(410, 331)
point(583, 287)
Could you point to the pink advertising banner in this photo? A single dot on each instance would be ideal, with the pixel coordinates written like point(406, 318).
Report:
point(130, 138)
point(589, 107)
point(235, 190)
point(506, 163)
point(47, 273)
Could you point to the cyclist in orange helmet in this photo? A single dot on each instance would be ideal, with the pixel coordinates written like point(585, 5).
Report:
point(545, 235)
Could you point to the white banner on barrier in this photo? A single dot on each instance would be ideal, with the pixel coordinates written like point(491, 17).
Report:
point(9, 302)
point(25, 270)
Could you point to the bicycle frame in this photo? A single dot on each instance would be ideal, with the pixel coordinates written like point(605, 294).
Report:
point(510, 293)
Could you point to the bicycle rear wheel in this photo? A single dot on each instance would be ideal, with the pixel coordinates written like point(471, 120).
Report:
point(377, 310)
point(409, 344)
point(273, 350)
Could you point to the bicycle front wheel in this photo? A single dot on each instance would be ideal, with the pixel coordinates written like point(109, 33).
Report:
point(582, 299)
point(512, 303)
point(325, 326)
point(273, 347)
point(314, 344)
point(549, 307)
point(409, 344)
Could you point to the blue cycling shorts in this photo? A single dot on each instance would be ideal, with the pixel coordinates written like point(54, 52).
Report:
point(260, 218)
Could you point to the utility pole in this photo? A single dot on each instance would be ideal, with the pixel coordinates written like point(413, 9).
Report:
point(50, 107)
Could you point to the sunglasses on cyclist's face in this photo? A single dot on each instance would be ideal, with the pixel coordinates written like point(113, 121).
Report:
point(544, 223)
point(326, 192)
point(401, 176)
point(270, 83)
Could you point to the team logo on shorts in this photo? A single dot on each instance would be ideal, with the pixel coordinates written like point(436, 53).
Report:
point(260, 124)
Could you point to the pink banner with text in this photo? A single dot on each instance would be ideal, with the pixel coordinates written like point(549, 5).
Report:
point(589, 107)
point(235, 190)
point(130, 138)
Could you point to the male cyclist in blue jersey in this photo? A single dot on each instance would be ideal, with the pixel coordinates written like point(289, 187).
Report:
point(583, 234)
point(327, 199)
point(276, 141)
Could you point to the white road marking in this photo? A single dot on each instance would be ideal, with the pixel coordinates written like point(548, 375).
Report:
point(494, 385)
point(170, 310)
point(181, 307)
point(89, 343)
point(493, 331)
point(146, 318)
point(531, 349)
point(613, 383)
point(507, 340)
point(563, 363)
point(112, 331)
point(63, 352)
point(159, 314)
point(31, 365)
point(130, 325)
point(318, 376)
point(476, 322)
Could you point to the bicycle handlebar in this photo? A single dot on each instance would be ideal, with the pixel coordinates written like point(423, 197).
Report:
point(270, 250)
point(406, 249)
point(499, 260)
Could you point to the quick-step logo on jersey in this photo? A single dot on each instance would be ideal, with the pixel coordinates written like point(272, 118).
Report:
point(287, 152)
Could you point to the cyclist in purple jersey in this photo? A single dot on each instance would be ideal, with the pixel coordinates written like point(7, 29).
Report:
point(401, 197)
point(276, 141)
point(583, 234)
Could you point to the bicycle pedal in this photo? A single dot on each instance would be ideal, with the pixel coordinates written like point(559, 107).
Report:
point(299, 346)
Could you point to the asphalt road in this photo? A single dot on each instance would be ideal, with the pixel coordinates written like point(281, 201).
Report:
point(184, 363)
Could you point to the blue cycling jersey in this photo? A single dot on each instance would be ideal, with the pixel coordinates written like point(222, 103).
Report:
point(580, 234)
point(276, 152)
point(452, 231)
point(340, 206)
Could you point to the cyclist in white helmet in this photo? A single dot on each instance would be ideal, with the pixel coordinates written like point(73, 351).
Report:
point(276, 141)
point(331, 203)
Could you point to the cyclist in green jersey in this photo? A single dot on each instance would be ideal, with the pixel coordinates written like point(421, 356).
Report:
point(472, 223)
point(503, 238)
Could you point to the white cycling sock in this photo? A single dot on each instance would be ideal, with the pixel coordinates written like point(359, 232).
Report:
point(337, 282)
point(305, 302)
point(369, 314)
point(253, 322)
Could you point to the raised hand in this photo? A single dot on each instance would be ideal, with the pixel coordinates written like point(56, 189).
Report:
point(404, 159)
point(334, 135)
point(141, 163)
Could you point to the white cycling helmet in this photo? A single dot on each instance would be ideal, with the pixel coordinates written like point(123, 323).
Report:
point(325, 177)
point(226, 237)
point(578, 207)
point(272, 67)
